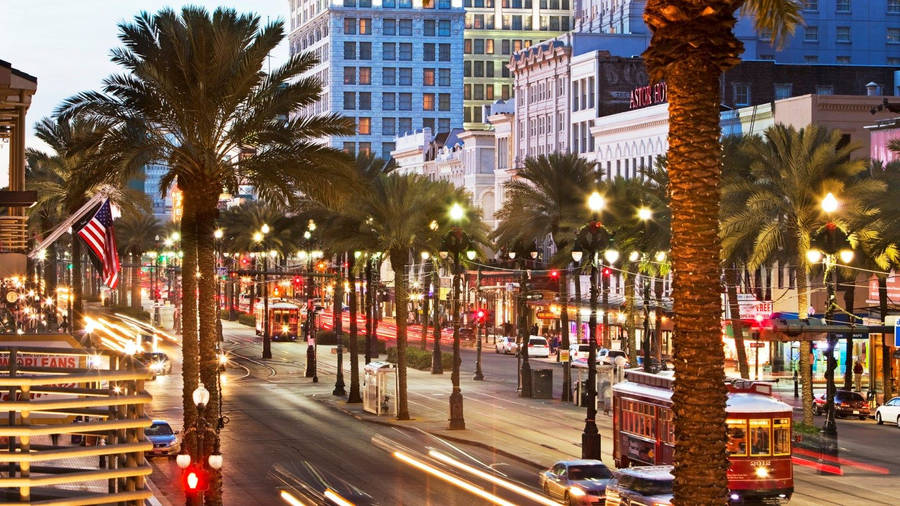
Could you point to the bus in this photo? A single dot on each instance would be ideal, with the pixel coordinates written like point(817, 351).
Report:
point(758, 428)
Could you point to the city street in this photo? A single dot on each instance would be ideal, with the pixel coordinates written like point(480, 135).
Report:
point(282, 423)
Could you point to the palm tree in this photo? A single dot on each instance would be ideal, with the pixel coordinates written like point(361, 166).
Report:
point(692, 45)
point(547, 201)
point(135, 236)
point(196, 82)
point(789, 175)
point(65, 180)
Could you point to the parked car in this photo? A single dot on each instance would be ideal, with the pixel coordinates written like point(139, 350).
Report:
point(576, 481)
point(889, 411)
point(538, 347)
point(165, 440)
point(605, 356)
point(640, 486)
point(507, 345)
point(579, 351)
point(156, 361)
point(846, 403)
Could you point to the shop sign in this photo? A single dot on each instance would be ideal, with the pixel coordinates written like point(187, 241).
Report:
point(757, 344)
point(649, 95)
point(563, 355)
point(546, 315)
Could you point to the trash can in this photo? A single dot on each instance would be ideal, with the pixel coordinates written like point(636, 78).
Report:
point(380, 388)
point(542, 383)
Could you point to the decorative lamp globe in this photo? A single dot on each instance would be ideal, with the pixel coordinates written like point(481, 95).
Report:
point(577, 254)
point(846, 255)
point(829, 203)
point(200, 395)
point(596, 202)
point(611, 256)
point(634, 256)
point(814, 256)
point(471, 254)
point(644, 213)
point(444, 254)
point(183, 460)
point(512, 255)
point(265, 228)
point(215, 459)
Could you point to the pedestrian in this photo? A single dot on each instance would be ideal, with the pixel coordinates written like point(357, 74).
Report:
point(534, 329)
point(858, 372)
point(64, 326)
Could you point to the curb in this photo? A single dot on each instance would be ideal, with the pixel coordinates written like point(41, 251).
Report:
point(455, 439)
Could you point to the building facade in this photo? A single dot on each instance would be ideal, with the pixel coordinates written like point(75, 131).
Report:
point(496, 29)
point(393, 66)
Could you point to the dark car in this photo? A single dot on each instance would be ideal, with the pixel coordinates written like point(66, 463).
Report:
point(156, 361)
point(846, 403)
point(576, 481)
point(641, 485)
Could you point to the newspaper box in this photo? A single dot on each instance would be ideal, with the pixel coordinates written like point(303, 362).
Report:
point(380, 388)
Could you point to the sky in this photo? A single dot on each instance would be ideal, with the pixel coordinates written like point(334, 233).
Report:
point(66, 45)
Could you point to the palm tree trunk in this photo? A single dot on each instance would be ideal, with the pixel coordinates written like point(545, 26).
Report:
point(657, 323)
point(631, 321)
point(436, 360)
point(354, 396)
point(190, 346)
point(805, 345)
point(699, 393)
point(77, 288)
point(136, 280)
point(564, 323)
point(50, 280)
point(849, 302)
point(398, 263)
point(208, 331)
point(426, 282)
point(369, 310)
point(886, 360)
point(737, 325)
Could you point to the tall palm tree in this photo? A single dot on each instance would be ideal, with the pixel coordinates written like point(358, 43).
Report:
point(136, 234)
point(196, 82)
point(547, 201)
point(692, 45)
point(789, 176)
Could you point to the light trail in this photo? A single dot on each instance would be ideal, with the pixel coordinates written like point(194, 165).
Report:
point(290, 499)
point(451, 479)
point(491, 478)
point(336, 498)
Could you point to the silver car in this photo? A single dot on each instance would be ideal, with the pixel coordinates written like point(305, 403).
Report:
point(640, 485)
point(576, 481)
point(506, 345)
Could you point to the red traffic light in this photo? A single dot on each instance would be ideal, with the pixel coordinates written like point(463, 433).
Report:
point(554, 274)
point(480, 314)
point(606, 272)
point(195, 479)
point(298, 280)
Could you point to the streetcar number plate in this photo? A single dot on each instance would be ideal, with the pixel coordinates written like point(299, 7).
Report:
point(855, 412)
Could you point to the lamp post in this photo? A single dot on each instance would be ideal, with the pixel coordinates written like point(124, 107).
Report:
point(212, 462)
point(258, 238)
point(454, 243)
point(479, 322)
point(830, 243)
point(592, 238)
point(522, 321)
point(338, 304)
point(311, 366)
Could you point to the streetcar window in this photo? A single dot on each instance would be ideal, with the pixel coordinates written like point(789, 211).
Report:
point(760, 442)
point(781, 436)
point(737, 437)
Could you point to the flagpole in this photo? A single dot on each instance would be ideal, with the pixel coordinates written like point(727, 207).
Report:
point(64, 227)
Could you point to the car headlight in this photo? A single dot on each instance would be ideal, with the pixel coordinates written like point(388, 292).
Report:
point(156, 366)
point(576, 492)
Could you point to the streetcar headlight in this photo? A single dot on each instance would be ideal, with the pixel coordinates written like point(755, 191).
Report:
point(284, 329)
point(576, 492)
point(735, 497)
point(762, 472)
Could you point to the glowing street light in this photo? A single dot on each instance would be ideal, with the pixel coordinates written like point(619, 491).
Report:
point(644, 213)
point(829, 203)
point(456, 212)
point(596, 202)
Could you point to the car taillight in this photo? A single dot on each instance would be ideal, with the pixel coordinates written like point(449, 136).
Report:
point(844, 405)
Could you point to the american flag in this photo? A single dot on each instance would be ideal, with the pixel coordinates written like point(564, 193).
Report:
point(98, 235)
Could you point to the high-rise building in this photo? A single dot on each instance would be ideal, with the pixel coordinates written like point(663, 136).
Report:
point(496, 29)
point(394, 66)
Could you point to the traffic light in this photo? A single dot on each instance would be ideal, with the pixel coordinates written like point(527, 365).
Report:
point(194, 479)
point(298, 281)
point(321, 266)
point(480, 315)
point(554, 274)
point(606, 272)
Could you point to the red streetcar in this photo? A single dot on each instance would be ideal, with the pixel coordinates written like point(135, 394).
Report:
point(759, 434)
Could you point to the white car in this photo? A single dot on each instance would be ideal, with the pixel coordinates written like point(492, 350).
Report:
point(538, 347)
point(579, 351)
point(889, 412)
point(506, 345)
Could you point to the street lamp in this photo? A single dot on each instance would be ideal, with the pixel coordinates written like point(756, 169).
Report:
point(593, 238)
point(258, 237)
point(455, 242)
point(311, 365)
point(830, 243)
point(214, 460)
point(522, 318)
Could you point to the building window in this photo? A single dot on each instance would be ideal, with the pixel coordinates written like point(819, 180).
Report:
point(349, 26)
point(467, 46)
point(467, 91)
point(443, 124)
point(810, 5)
point(478, 69)
point(365, 26)
point(767, 57)
point(444, 77)
point(893, 6)
point(349, 75)
point(444, 102)
point(504, 70)
point(476, 114)
point(365, 147)
point(489, 46)
point(404, 125)
point(478, 46)
point(349, 147)
point(364, 126)
point(489, 92)
point(811, 34)
point(444, 28)
point(365, 101)
point(428, 123)
point(741, 94)
point(405, 51)
point(444, 52)
point(428, 52)
point(826, 89)
point(504, 45)
point(349, 100)
point(478, 91)
point(389, 27)
point(842, 6)
point(404, 27)
point(388, 76)
point(893, 60)
point(504, 92)
point(467, 114)
point(467, 69)
point(428, 28)
point(842, 59)
point(405, 77)
point(388, 101)
point(349, 50)
point(427, 77)
point(811, 58)
point(489, 68)
point(783, 90)
point(365, 75)
point(893, 35)
point(365, 50)
point(428, 101)
point(386, 148)
point(389, 51)
point(842, 34)
point(405, 101)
